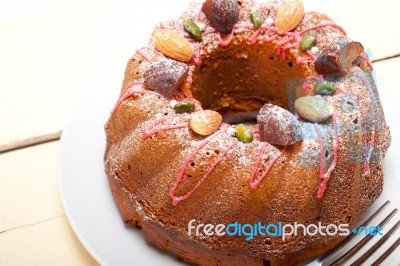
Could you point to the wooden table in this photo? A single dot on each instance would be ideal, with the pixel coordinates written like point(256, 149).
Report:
point(51, 53)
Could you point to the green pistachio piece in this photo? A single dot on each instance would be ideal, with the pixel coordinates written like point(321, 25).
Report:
point(243, 133)
point(184, 107)
point(324, 88)
point(257, 19)
point(308, 41)
point(313, 108)
point(191, 27)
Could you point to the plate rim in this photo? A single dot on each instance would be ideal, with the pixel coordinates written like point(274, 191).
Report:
point(64, 201)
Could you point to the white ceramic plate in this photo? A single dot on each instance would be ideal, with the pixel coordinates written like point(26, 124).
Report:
point(88, 202)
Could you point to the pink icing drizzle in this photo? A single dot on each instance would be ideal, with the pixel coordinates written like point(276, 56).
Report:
point(310, 59)
point(150, 131)
point(254, 183)
point(208, 31)
point(148, 134)
point(226, 42)
point(292, 41)
point(335, 143)
point(164, 25)
point(151, 52)
point(177, 199)
point(196, 56)
point(329, 24)
point(254, 37)
point(256, 130)
point(367, 61)
point(144, 56)
point(321, 151)
point(369, 150)
point(130, 94)
point(187, 95)
point(131, 85)
point(189, 80)
point(268, 38)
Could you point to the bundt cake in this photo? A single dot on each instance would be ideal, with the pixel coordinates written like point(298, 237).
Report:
point(308, 148)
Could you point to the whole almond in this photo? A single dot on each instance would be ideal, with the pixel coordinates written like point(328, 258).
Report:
point(173, 45)
point(289, 16)
point(205, 122)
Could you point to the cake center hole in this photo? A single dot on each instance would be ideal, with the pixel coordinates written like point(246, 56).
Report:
point(234, 118)
point(238, 80)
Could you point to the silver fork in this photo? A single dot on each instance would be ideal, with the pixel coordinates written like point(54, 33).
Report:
point(323, 260)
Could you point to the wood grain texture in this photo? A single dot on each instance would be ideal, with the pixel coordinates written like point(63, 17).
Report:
point(24, 143)
point(33, 228)
point(47, 243)
point(28, 186)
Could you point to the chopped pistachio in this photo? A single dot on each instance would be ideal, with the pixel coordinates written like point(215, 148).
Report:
point(244, 134)
point(184, 107)
point(324, 88)
point(308, 41)
point(193, 29)
point(257, 19)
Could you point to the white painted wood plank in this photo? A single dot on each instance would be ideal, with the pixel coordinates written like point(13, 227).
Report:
point(387, 71)
point(50, 57)
point(33, 228)
point(47, 243)
point(28, 186)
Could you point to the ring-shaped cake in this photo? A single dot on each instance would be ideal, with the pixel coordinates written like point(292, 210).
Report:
point(314, 155)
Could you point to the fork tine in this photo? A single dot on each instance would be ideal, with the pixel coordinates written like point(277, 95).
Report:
point(363, 241)
point(387, 253)
point(377, 245)
point(333, 251)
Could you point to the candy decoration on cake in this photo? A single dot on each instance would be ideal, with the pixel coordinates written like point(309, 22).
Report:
point(289, 16)
point(165, 77)
point(338, 56)
point(223, 14)
point(174, 45)
point(313, 108)
point(205, 122)
point(278, 126)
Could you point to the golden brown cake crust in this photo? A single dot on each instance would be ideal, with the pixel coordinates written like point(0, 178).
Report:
point(143, 171)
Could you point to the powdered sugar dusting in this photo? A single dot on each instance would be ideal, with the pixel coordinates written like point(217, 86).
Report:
point(222, 170)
